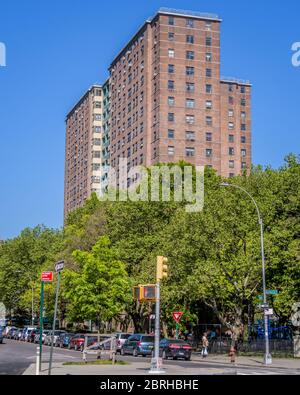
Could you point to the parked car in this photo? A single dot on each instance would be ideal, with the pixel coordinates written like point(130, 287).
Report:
point(48, 338)
point(31, 336)
point(17, 334)
point(37, 336)
point(121, 338)
point(1, 336)
point(10, 333)
point(138, 344)
point(26, 334)
point(175, 349)
point(77, 342)
point(63, 340)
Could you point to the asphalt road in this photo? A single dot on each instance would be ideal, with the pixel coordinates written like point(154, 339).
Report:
point(16, 357)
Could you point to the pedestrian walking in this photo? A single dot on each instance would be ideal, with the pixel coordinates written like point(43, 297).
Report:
point(205, 345)
point(232, 354)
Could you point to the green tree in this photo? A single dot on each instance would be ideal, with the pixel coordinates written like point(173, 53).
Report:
point(101, 288)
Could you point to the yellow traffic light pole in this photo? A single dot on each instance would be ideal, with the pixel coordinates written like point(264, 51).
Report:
point(161, 273)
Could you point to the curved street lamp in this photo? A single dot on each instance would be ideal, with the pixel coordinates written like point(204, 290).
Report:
point(267, 356)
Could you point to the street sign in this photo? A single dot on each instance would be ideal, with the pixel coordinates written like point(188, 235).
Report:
point(177, 316)
point(263, 306)
point(269, 312)
point(272, 292)
point(152, 317)
point(47, 277)
point(59, 266)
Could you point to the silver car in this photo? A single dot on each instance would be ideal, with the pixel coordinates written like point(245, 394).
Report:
point(47, 340)
point(121, 338)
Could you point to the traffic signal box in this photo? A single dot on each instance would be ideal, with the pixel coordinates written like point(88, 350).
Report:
point(161, 268)
point(144, 293)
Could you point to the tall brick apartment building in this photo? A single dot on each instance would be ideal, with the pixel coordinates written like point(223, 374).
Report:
point(165, 101)
point(83, 149)
point(168, 101)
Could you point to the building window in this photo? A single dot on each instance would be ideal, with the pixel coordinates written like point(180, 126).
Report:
point(171, 53)
point(189, 23)
point(190, 70)
point(208, 89)
point(243, 139)
point(230, 113)
point(97, 104)
point(171, 85)
point(231, 175)
point(170, 134)
point(171, 36)
point(208, 41)
point(190, 103)
point(231, 151)
point(243, 102)
point(208, 25)
point(96, 166)
point(97, 129)
point(208, 152)
point(190, 151)
point(171, 21)
point(190, 87)
point(230, 100)
point(208, 57)
point(98, 117)
point(171, 150)
point(243, 152)
point(243, 127)
point(208, 73)
point(208, 104)
point(96, 154)
point(190, 55)
point(171, 101)
point(208, 136)
point(231, 164)
point(171, 68)
point(190, 119)
point(230, 125)
point(243, 114)
point(208, 121)
point(231, 138)
point(243, 89)
point(190, 39)
point(244, 165)
point(171, 117)
point(190, 136)
point(230, 88)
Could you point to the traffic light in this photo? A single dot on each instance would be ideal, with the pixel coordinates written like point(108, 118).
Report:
point(144, 293)
point(161, 268)
point(137, 293)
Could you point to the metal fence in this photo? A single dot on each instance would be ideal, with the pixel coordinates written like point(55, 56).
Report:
point(280, 347)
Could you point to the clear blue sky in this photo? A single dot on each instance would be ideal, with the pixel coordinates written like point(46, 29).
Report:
point(57, 49)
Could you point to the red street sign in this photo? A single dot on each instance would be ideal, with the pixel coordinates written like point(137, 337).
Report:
point(47, 277)
point(177, 316)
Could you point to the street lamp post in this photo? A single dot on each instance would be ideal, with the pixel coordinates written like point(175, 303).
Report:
point(267, 356)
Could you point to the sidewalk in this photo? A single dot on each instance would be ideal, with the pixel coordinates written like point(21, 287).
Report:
point(133, 368)
point(212, 365)
point(279, 363)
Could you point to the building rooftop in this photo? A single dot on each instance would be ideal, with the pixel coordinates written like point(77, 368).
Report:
point(235, 81)
point(194, 14)
point(82, 97)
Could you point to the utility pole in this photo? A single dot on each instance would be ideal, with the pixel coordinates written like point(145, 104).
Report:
point(41, 324)
point(161, 273)
point(267, 356)
point(58, 268)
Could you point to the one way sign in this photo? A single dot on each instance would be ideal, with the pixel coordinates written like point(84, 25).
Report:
point(59, 266)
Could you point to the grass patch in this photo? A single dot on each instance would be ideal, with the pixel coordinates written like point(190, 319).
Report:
point(98, 362)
